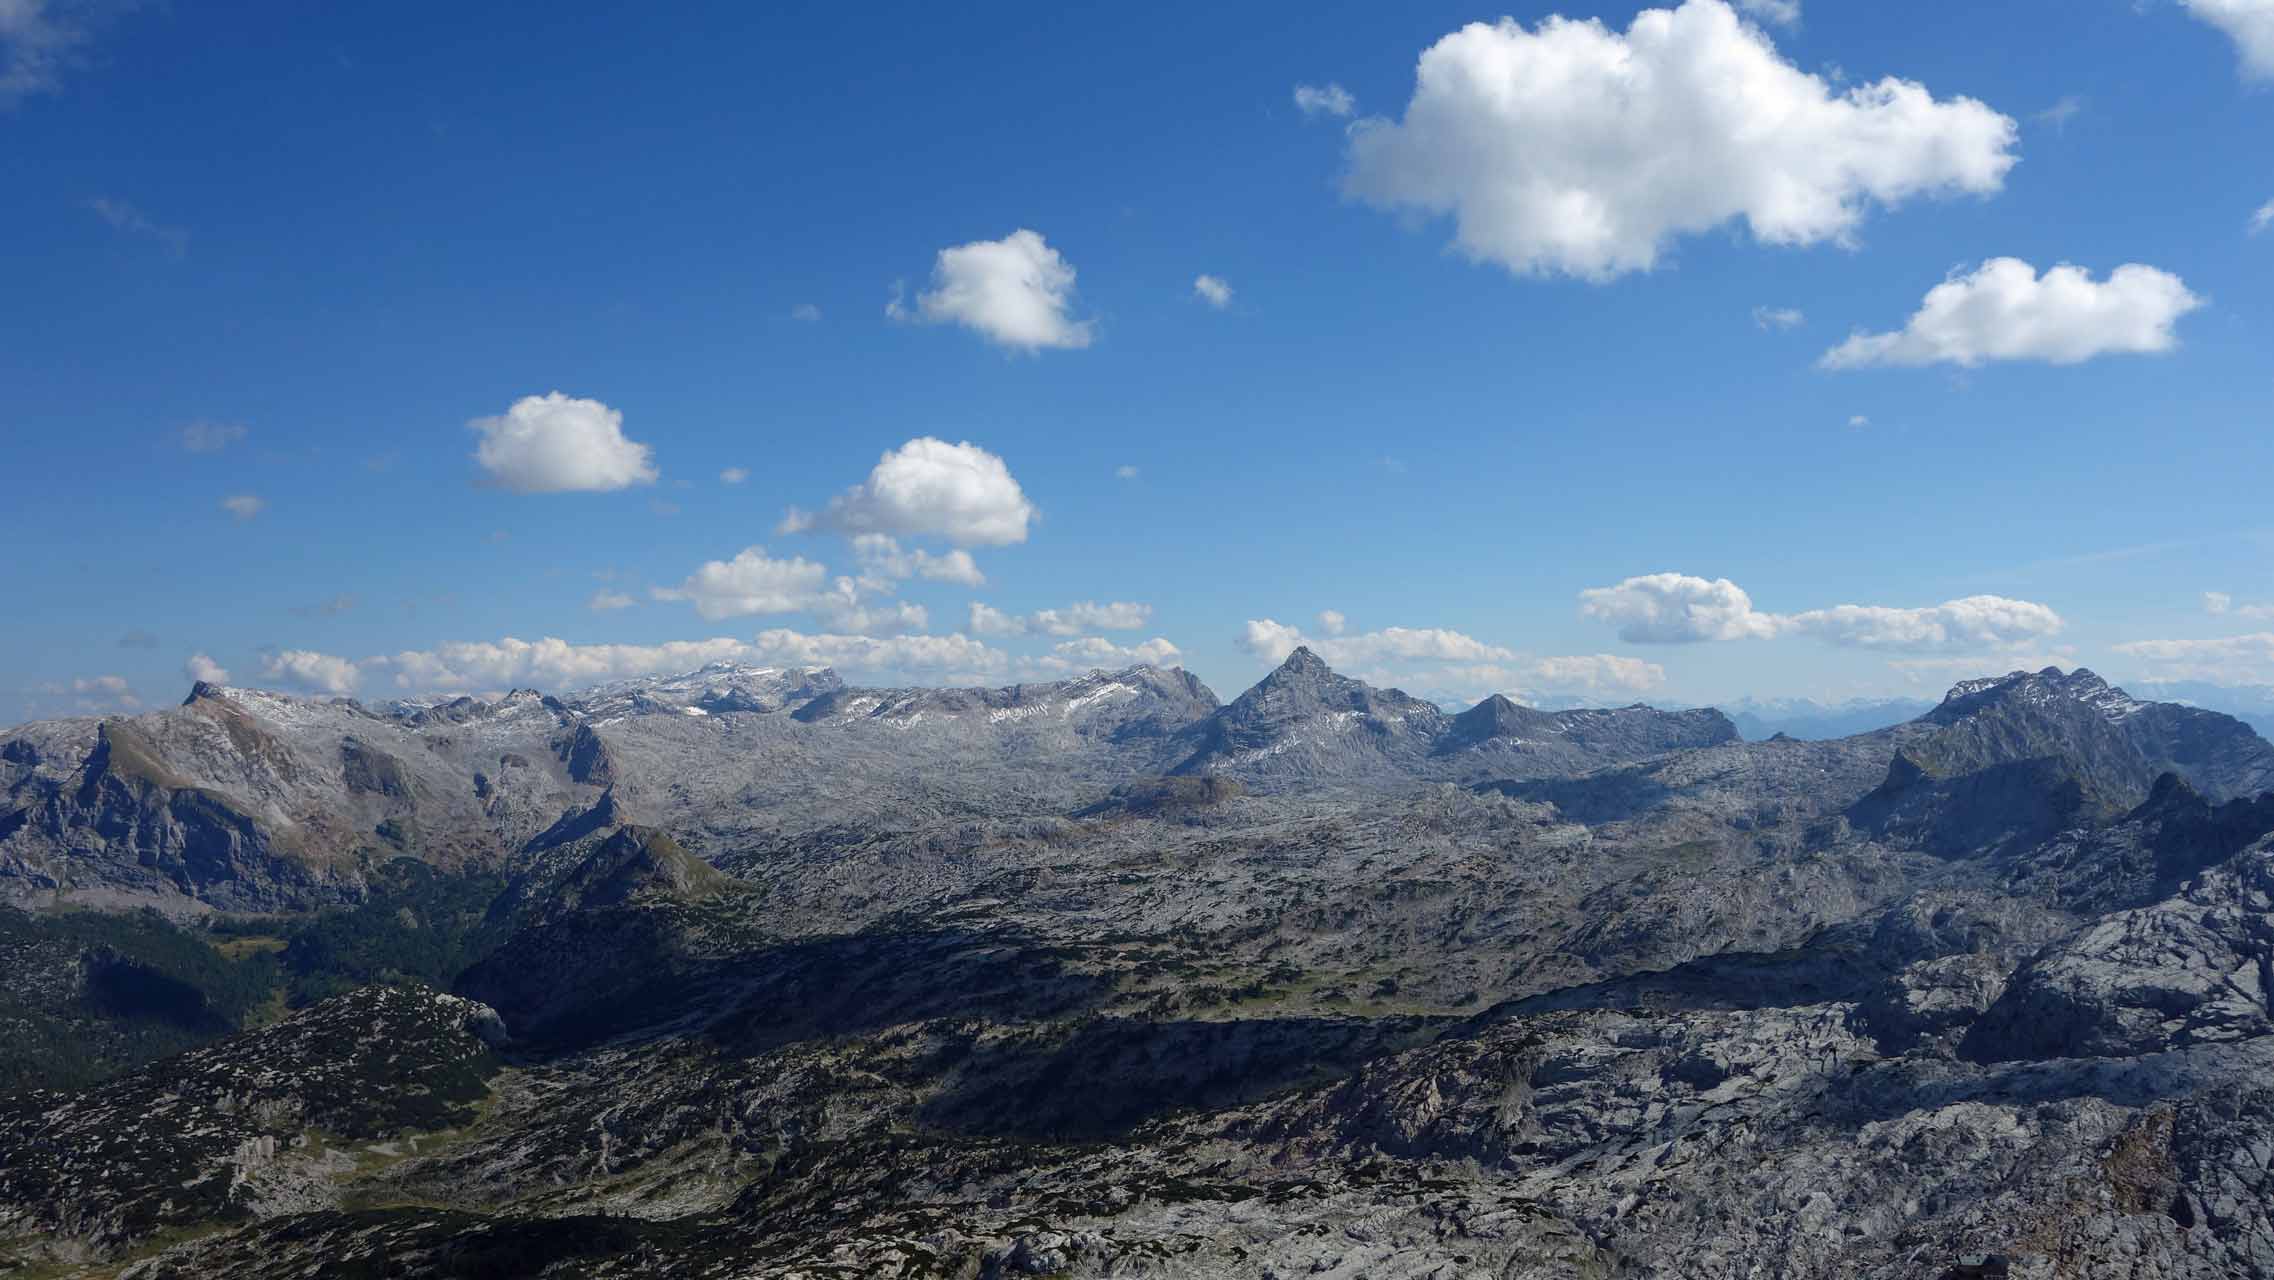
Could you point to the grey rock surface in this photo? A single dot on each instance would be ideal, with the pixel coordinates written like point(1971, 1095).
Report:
point(1099, 978)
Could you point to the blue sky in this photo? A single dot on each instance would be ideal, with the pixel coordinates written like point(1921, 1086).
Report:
point(283, 253)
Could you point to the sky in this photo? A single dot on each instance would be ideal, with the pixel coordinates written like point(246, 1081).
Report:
point(1789, 349)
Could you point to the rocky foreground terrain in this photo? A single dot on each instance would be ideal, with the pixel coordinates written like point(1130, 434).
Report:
point(749, 973)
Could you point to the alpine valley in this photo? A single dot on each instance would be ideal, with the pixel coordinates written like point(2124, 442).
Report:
point(747, 972)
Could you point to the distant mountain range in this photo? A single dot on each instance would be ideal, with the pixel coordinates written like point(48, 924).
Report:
point(748, 971)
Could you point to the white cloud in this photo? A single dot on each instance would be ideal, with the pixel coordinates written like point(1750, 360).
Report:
point(2220, 603)
point(1088, 615)
point(734, 475)
point(38, 40)
point(1785, 13)
point(200, 667)
point(2004, 310)
point(752, 582)
point(1272, 641)
point(101, 684)
point(2249, 23)
point(125, 217)
point(986, 620)
point(2262, 218)
point(1454, 665)
point(1074, 619)
point(306, 669)
point(848, 614)
point(1269, 639)
point(805, 311)
point(1213, 291)
point(2244, 659)
point(2060, 113)
point(604, 600)
point(959, 492)
point(552, 663)
point(1933, 671)
point(1332, 622)
point(880, 553)
point(559, 444)
point(1597, 672)
point(1125, 472)
point(211, 437)
point(547, 663)
point(1857, 422)
point(1016, 292)
point(243, 506)
point(1674, 608)
point(1778, 318)
point(1575, 149)
point(1327, 100)
point(1097, 651)
point(956, 655)
point(1976, 622)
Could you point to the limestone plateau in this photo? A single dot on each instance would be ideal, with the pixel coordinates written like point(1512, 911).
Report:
point(747, 972)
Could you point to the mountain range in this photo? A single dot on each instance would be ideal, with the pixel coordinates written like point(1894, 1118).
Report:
point(748, 971)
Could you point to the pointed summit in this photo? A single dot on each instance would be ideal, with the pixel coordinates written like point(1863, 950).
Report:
point(1302, 662)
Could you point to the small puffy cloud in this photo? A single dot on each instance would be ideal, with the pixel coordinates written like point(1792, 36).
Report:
point(1779, 318)
point(305, 669)
point(1073, 620)
point(1976, 622)
point(2249, 23)
point(1269, 639)
point(1213, 291)
point(2262, 218)
point(2217, 602)
point(1332, 622)
point(1324, 100)
point(1784, 13)
point(881, 554)
point(137, 638)
point(604, 600)
point(1125, 471)
point(555, 443)
point(2004, 310)
point(734, 475)
point(752, 582)
point(1857, 422)
point(243, 506)
point(203, 668)
point(211, 437)
point(806, 312)
point(112, 685)
point(959, 492)
point(1574, 149)
point(986, 620)
point(1675, 608)
point(1016, 292)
